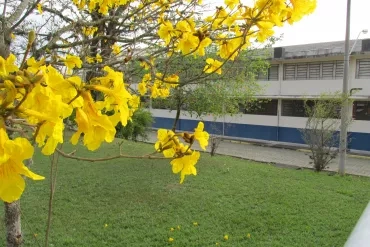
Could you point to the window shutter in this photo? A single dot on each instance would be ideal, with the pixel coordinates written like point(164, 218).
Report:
point(302, 71)
point(363, 68)
point(328, 70)
point(273, 73)
point(339, 68)
point(314, 71)
point(289, 71)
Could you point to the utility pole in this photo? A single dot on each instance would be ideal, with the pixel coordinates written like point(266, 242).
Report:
point(344, 111)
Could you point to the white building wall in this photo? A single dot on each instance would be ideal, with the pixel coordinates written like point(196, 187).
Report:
point(294, 88)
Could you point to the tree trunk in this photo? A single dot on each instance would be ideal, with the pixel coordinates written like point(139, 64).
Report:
point(4, 44)
point(13, 224)
point(12, 210)
point(178, 110)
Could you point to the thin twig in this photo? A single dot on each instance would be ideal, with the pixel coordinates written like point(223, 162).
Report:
point(69, 156)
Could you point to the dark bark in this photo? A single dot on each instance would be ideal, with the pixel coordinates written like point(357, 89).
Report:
point(178, 111)
point(13, 224)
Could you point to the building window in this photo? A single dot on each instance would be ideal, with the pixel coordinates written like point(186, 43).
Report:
point(272, 74)
point(313, 71)
point(327, 70)
point(265, 107)
point(289, 71)
point(296, 108)
point(339, 69)
point(293, 108)
point(361, 110)
point(363, 68)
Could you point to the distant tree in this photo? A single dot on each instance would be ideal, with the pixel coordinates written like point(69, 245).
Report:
point(321, 130)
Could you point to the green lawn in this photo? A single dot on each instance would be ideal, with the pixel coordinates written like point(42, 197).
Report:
point(140, 200)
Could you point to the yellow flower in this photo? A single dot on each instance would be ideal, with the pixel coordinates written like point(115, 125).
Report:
point(95, 126)
point(7, 65)
point(166, 142)
point(202, 45)
point(213, 66)
point(117, 96)
point(12, 155)
point(71, 62)
point(90, 59)
point(201, 136)
point(226, 237)
point(228, 49)
point(187, 43)
point(105, 225)
point(134, 102)
point(98, 58)
point(248, 235)
point(231, 3)
point(10, 94)
point(178, 227)
point(33, 65)
point(172, 229)
point(170, 240)
point(166, 31)
point(171, 81)
point(88, 31)
point(142, 88)
point(185, 165)
point(195, 223)
point(116, 49)
point(39, 8)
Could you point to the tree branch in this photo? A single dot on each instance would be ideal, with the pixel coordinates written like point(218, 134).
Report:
point(71, 156)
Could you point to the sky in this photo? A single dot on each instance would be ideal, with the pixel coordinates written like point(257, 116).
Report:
point(327, 23)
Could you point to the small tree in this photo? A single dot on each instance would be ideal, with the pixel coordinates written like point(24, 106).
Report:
point(321, 131)
point(142, 120)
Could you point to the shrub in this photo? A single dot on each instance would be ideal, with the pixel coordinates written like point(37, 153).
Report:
point(142, 120)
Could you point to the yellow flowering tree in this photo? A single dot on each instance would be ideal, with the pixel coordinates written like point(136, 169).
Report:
point(100, 38)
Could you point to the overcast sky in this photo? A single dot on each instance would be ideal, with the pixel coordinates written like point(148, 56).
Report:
point(327, 23)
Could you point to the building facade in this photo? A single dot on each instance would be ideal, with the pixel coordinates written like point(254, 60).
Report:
point(296, 73)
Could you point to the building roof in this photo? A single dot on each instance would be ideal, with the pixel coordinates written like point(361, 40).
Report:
point(320, 49)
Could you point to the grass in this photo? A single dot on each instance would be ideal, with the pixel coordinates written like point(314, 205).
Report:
point(135, 203)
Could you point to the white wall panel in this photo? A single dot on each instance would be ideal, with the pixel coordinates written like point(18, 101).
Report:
point(270, 88)
point(310, 87)
point(253, 119)
point(360, 126)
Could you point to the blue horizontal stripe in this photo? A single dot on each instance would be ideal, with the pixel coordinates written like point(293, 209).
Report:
point(357, 141)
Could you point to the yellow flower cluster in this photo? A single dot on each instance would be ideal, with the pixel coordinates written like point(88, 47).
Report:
point(234, 26)
point(185, 158)
point(12, 155)
point(42, 98)
point(88, 31)
point(161, 85)
point(102, 6)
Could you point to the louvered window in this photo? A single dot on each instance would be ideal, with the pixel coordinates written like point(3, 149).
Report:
point(327, 70)
point(289, 71)
point(339, 68)
point(314, 71)
point(363, 68)
point(271, 75)
point(301, 71)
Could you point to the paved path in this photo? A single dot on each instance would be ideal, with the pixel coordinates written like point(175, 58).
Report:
point(356, 165)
